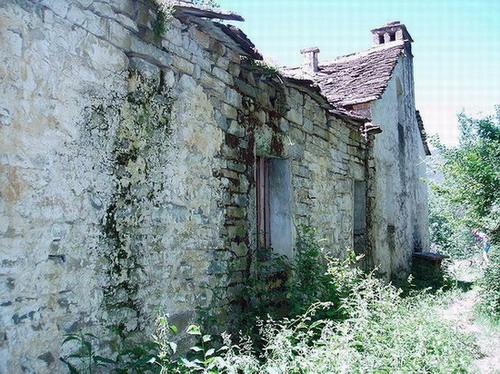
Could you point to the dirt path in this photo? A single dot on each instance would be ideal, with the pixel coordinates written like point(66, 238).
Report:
point(461, 313)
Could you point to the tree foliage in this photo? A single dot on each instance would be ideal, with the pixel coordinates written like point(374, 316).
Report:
point(472, 173)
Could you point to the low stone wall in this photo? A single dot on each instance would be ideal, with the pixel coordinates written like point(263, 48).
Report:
point(127, 170)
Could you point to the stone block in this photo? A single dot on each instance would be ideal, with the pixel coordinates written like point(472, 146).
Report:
point(232, 55)
point(239, 199)
point(169, 78)
point(173, 35)
point(234, 69)
point(236, 129)
point(229, 111)
point(223, 63)
point(217, 47)
point(246, 88)
point(222, 75)
point(321, 132)
point(297, 135)
point(295, 115)
point(176, 50)
point(102, 9)
point(203, 62)
point(232, 97)
point(221, 120)
point(126, 22)
point(202, 38)
point(230, 174)
point(308, 125)
point(59, 7)
point(262, 116)
point(143, 49)
point(183, 65)
point(236, 166)
point(209, 81)
point(284, 125)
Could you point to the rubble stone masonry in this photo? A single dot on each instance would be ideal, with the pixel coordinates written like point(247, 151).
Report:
point(127, 179)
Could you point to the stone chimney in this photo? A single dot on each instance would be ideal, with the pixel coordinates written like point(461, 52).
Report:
point(391, 32)
point(310, 59)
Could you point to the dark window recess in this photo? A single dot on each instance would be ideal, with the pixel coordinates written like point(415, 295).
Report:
point(401, 137)
point(274, 196)
point(359, 217)
point(392, 36)
point(391, 237)
point(381, 38)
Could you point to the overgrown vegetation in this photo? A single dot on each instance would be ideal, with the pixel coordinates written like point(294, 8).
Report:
point(339, 320)
point(468, 198)
point(490, 290)
point(472, 176)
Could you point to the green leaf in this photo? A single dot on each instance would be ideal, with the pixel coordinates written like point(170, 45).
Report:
point(173, 328)
point(87, 345)
point(190, 364)
point(210, 352)
point(104, 359)
point(173, 346)
point(206, 338)
point(196, 349)
point(193, 330)
point(70, 338)
point(72, 369)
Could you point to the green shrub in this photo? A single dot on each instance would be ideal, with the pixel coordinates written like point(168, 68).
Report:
point(489, 291)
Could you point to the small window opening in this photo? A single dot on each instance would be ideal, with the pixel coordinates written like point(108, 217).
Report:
point(392, 36)
point(381, 38)
point(401, 137)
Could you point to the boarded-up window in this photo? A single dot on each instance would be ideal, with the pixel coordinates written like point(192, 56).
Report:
point(274, 195)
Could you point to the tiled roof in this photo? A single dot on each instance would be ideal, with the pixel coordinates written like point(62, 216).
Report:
point(356, 78)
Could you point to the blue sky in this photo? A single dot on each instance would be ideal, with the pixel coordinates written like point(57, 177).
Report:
point(456, 48)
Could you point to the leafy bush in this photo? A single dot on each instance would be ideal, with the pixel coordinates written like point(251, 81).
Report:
point(472, 174)
point(448, 233)
point(489, 291)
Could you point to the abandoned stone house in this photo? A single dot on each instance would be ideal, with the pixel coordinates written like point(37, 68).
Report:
point(143, 164)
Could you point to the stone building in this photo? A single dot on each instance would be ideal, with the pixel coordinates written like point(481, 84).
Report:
point(378, 85)
point(144, 159)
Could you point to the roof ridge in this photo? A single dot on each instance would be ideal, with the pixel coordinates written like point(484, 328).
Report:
point(394, 44)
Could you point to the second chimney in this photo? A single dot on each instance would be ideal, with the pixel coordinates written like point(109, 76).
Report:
point(310, 59)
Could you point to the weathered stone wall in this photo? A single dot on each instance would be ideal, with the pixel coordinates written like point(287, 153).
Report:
point(127, 170)
point(400, 215)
